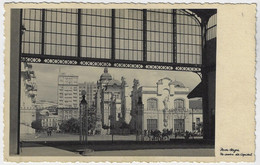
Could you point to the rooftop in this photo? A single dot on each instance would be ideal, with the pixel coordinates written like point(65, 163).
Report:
point(105, 75)
point(195, 104)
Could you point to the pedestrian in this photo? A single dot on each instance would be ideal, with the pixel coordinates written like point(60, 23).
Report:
point(176, 133)
point(187, 135)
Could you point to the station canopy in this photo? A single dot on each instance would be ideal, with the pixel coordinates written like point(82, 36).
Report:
point(164, 39)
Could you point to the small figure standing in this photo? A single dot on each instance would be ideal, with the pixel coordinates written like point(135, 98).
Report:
point(165, 102)
point(187, 135)
point(49, 132)
point(176, 133)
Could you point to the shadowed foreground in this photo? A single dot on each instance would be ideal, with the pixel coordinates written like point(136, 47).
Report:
point(120, 148)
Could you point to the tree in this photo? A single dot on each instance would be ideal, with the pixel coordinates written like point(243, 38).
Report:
point(71, 126)
point(37, 125)
point(91, 121)
point(124, 125)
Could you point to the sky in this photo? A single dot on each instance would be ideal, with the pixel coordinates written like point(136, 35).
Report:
point(47, 77)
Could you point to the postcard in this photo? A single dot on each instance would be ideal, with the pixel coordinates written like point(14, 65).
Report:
point(129, 82)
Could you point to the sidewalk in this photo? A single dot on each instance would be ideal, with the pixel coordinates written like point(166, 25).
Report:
point(156, 152)
point(45, 151)
point(51, 151)
point(120, 148)
point(71, 137)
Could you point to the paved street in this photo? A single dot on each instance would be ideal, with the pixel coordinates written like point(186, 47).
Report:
point(156, 152)
point(45, 151)
point(178, 147)
point(51, 151)
point(73, 137)
point(68, 145)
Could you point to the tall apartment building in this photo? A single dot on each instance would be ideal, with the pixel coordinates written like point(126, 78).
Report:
point(68, 91)
point(91, 90)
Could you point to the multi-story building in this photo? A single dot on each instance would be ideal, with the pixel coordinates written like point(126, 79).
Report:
point(68, 97)
point(164, 106)
point(112, 101)
point(91, 90)
point(50, 121)
point(68, 91)
point(43, 104)
point(53, 119)
point(67, 113)
point(28, 98)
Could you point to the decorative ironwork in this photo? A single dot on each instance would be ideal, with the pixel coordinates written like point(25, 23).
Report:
point(31, 60)
point(60, 61)
point(162, 39)
point(159, 67)
point(199, 74)
point(190, 69)
point(124, 65)
point(91, 63)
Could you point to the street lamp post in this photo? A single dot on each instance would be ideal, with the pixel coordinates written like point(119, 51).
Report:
point(112, 117)
point(83, 108)
point(192, 124)
point(111, 127)
point(86, 128)
point(84, 115)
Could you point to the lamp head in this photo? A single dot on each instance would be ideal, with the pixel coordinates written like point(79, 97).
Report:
point(83, 92)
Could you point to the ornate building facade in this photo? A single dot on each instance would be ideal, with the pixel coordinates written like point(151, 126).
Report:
point(28, 98)
point(164, 106)
point(112, 102)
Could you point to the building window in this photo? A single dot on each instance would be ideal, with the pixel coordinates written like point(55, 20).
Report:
point(159, 35)
point(151, 124)
point(193, 126)
point(179, 104)
point(152, 104)
point(179, 125)
point(129, 34)
point(96, 33)
point(197, 120)
point(117, 95)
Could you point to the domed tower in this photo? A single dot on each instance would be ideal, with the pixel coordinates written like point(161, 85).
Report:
point(105, 77)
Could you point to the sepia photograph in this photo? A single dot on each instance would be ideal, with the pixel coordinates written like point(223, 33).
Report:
point(116, 82)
